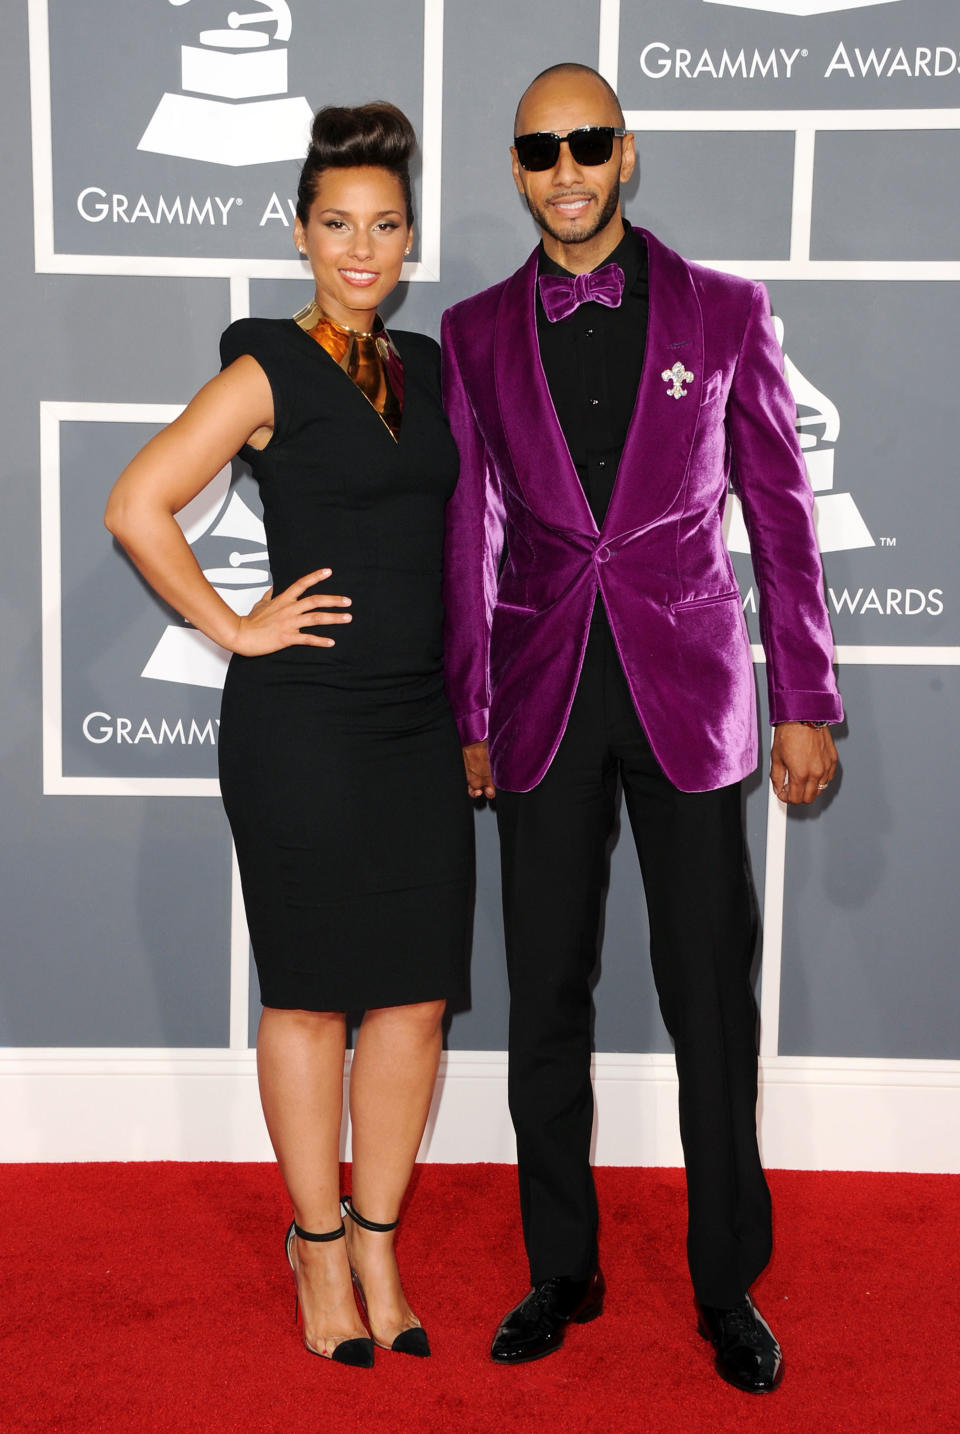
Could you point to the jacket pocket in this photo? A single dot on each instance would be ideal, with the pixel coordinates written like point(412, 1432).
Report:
point(514, 607)
point(692, 603)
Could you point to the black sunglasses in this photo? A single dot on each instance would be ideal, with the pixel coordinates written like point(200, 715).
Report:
point(591, 144)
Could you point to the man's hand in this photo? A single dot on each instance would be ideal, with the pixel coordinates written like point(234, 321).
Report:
point(476, 760)
point(802, 762)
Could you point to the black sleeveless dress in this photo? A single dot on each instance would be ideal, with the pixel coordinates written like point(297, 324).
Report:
point(340, 767)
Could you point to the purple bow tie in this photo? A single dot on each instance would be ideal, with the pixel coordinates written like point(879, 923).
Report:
point(562, 296)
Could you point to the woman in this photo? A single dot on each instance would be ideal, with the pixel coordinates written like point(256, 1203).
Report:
point(339, 764)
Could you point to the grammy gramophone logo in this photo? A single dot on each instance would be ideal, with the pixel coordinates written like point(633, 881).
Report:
point(836, 515)
point(233, 107)
point(183, 654)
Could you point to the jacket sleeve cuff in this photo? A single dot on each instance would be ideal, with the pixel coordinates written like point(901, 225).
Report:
point(473, 727)
point(799, 706)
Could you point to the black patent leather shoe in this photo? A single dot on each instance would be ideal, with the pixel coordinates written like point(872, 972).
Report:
point(537, 1325)
point(748, 1355)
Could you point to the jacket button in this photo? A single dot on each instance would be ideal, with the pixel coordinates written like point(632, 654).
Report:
point(603, 555)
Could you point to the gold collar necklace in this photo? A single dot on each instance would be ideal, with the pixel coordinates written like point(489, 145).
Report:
point(370, 360)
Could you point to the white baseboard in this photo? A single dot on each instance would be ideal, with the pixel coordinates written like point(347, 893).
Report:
point(815, 1114)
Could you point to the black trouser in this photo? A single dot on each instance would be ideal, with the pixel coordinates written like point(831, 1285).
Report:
point(701, 909)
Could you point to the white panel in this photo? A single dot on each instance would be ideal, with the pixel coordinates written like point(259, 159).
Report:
point(203, 1105)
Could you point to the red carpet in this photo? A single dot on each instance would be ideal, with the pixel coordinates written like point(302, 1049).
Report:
point(142, 1298)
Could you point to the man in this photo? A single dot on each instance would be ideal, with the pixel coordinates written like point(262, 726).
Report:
point(603, 398)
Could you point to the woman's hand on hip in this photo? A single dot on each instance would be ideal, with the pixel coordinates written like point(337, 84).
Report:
point(281, 621)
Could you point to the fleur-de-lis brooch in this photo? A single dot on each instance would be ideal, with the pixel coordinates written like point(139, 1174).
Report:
point(677, 377)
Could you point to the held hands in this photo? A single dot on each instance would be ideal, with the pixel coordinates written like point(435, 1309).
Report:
point(802, 762)
point(476, 760)
point(277, 622)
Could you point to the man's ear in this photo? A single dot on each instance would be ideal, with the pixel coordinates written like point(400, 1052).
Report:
point(517, 172)
point(628, 157)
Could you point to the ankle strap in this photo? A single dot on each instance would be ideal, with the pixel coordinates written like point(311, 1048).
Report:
point(327, 1235)
point(346, 1205)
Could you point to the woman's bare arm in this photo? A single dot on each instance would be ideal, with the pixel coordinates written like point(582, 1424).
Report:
point(172, 468)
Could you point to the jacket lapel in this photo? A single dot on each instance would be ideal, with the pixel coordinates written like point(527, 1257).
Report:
point(541, 458)
point(662, 427)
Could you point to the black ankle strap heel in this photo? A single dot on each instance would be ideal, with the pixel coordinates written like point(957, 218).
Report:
point(409, 1341)
point(357, 1352)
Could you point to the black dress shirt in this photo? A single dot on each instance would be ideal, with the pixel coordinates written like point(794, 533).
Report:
point(592, 361)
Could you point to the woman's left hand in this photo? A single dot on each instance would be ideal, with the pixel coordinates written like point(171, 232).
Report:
point(277, 622)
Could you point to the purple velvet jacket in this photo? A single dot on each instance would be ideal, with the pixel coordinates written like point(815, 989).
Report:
point(514, 646)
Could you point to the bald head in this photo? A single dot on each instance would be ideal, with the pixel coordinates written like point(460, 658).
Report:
point(573, 85)
point(575, 203)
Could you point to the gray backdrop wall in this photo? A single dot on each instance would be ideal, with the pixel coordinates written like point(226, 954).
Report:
point(148, 170)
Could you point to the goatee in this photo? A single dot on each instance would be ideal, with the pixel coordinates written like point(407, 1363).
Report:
point(579, 236)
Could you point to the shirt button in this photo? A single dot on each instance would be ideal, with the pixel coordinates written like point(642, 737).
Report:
point(589, 333)
point(602, 463)
point(594, 402)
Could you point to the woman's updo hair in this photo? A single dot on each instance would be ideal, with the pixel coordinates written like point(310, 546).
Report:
point(347, 136)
